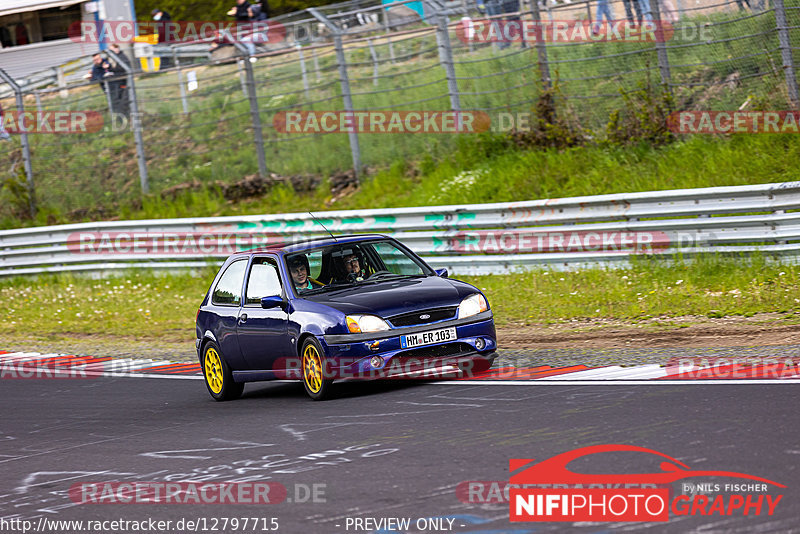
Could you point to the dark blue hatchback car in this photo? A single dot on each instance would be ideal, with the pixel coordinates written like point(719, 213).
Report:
point(336, 308)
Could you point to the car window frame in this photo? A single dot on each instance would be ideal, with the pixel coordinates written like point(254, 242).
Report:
point(221, 276)
point(274, 260)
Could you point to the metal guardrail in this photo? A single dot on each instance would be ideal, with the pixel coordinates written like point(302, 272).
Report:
point(604, 230)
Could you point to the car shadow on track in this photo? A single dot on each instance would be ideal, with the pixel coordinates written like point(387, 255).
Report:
point(341, 390)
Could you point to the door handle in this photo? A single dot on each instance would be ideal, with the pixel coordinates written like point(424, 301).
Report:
point(243, 318)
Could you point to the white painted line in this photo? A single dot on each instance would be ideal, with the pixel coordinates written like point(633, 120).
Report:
point(638, 372)
point(545, 382)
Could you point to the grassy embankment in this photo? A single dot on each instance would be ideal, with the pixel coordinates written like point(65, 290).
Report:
point(144, 307)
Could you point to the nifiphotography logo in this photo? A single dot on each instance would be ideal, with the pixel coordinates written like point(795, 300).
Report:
point(549, 491)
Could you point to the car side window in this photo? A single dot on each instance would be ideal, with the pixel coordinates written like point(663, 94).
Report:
point(264, 281)
point(314, 263)
point(229, 287)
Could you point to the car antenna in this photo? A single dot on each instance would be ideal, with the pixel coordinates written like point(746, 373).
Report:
point(322, 225)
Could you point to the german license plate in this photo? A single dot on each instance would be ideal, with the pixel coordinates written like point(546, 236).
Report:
point(427, 338)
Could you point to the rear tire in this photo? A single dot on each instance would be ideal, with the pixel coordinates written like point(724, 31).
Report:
point(218, 376)
point(312, 361)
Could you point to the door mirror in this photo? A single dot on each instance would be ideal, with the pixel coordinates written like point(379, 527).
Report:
point(272, 302)
point(441, 273)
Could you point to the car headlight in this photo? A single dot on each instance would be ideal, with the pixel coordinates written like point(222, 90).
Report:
point(365, 323)
point(472, 305)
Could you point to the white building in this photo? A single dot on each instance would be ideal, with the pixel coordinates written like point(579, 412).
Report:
point(39, 34)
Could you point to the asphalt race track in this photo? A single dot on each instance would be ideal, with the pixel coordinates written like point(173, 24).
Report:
point(379, 450)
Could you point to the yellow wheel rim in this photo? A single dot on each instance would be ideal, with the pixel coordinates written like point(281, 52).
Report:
point(312, 369)
point(213, 368)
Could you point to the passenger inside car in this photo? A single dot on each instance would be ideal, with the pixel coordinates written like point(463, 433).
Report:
point(298, 269)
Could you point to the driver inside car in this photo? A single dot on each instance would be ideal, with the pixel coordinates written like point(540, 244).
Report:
point(352, 266)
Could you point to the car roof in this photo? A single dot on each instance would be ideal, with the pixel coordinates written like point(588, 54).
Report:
point(297, 246)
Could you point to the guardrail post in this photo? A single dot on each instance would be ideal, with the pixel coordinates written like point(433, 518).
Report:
point(255, 113)
point(661, 49)
point(181, 86)
point(136, 123)
point(786, 52)
point(344, 81)
point(446, 59)
point(26, 147)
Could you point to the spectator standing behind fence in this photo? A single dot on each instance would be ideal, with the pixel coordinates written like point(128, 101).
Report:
point(603, 10)
point(630, 7)
point(242, 11)
point(120, 98)
point(100, 70)
point(668, 12)
point(162, 17)
point(3, 133)
point(507, 28)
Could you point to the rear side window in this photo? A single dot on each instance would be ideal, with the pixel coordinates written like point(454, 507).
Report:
point(263, 281)
point(229, 287)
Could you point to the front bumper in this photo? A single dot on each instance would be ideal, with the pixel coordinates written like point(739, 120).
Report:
point(354, 355)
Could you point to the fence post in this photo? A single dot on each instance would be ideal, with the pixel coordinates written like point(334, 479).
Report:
point(385, 13)
point(255, 113)
point(303, 69)
point(446, 59)
point(136, 122)
point(374, 62)
point(316, 64)
point(541, 46)
point(344, 81)
point(786, 52)
point(26, 147)
point(661, 48)
point(182, 88)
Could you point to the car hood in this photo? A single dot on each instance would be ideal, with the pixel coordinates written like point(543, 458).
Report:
point(394, 297)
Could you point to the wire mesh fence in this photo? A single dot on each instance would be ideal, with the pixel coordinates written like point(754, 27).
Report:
point(226, 115)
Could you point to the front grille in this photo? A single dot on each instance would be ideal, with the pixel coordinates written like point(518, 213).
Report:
point(413, 319)
point(437, 351)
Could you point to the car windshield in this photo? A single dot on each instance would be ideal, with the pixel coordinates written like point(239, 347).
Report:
point(345, 265)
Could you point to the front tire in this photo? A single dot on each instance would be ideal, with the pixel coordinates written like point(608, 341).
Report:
point(218, 376)
point(313, 362)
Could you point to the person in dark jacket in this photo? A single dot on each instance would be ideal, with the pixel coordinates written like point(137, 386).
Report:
point(100, 70)
point(162, 17)
point(240, 11)
point(120, 98)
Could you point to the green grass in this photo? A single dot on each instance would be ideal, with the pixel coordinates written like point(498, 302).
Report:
point(161, 308)
point(484, 170)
